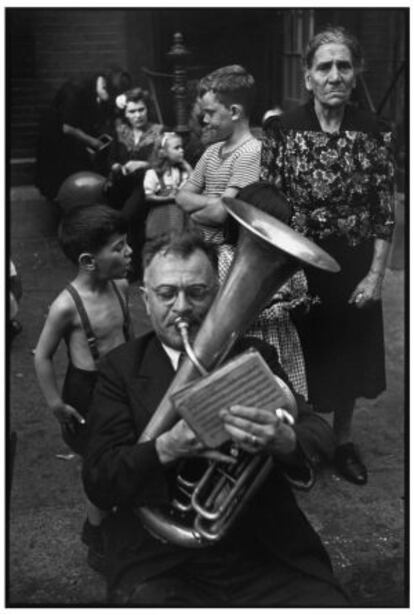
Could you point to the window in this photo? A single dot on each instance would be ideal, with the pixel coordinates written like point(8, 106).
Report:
point(298, 29)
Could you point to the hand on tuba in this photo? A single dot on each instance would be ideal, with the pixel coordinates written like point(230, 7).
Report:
point(260, 431)
point(181, 442)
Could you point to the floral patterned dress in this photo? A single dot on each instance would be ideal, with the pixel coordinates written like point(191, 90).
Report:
point(341, 188)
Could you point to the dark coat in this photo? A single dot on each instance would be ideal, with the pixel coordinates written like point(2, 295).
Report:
point(58, 155)
point(118, 472)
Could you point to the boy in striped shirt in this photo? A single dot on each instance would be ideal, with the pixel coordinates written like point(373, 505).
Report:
point(226, 98)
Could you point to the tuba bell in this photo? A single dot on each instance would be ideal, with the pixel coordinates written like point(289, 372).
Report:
point(267, 254)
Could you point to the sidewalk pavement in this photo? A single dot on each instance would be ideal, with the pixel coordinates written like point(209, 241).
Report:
point(363, 528)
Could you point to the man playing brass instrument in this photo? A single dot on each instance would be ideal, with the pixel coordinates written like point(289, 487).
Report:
point(271, 556)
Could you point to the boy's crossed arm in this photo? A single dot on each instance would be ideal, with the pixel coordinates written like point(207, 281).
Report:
point(203, 209)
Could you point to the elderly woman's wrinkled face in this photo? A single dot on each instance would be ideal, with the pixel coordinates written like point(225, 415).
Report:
point(137, 114)
point(332, 76)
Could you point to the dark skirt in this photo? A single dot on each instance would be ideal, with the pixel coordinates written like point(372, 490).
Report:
point(126, 193)
point(343, 346)
point(77, 391)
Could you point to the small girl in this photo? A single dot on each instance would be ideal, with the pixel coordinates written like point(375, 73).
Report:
point(161, 184)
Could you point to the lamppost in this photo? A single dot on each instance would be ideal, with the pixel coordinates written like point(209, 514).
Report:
point(179, 55)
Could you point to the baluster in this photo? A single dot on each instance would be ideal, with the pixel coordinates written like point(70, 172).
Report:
point(179, 54)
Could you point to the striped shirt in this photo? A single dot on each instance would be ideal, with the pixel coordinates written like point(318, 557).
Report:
point(215, 172)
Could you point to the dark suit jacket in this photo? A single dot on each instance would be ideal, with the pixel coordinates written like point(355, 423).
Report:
point(118, 472)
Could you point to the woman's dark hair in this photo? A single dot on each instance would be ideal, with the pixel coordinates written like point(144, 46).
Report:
point(336, 35)
point(118, 80)
point(179, 244)
point(88, 229)
point(137, 95)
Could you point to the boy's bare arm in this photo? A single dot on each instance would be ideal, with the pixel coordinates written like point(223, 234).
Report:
point(215, 213)
point(58, 323)
point(190, 200)
point(204, 209)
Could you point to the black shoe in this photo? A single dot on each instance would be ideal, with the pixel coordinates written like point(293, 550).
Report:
point(92, 537)
point(97, 560)
point(348, 463)
point(91, 534)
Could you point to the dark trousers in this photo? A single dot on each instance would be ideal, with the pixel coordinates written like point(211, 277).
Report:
point(228, 581)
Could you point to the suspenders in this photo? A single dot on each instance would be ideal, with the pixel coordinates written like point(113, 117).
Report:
point(90, 335)
point(125, 311)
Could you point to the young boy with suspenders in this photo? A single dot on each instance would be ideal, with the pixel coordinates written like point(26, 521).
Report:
point(91, 315)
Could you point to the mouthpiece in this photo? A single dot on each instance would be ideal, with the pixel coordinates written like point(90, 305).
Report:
point(182, 326)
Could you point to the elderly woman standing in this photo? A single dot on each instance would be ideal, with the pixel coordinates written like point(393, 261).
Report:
point(334, 163)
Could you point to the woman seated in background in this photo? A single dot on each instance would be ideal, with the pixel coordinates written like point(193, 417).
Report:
point(161, 183)
point(71, 129)
point(130, 153)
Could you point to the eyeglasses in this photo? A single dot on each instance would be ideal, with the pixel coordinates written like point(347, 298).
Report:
point(196, 293)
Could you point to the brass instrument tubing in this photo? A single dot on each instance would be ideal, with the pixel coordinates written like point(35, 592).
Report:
point(182, 326)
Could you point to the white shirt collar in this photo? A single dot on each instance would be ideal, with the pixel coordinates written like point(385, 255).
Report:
point(173, 354)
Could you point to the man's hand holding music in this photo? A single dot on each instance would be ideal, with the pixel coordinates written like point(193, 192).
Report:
point(257, 431)
point(180, 442)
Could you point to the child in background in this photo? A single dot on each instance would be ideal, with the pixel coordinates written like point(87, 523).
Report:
point(161, 183)
point(91, 315)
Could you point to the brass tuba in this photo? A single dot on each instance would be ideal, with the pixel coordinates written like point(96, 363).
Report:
point(267, 255)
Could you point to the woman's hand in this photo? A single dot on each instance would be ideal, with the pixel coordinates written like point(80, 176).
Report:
point(79, 134)
point(258, 431)
point(368, 290)
point(94, 143)
point(134, 165)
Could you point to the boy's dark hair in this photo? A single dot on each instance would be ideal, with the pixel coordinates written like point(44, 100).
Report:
point(88, 229)
point(179, 244)
point(232, 85)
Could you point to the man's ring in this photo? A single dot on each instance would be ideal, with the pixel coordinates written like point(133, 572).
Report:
point(253, 441)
